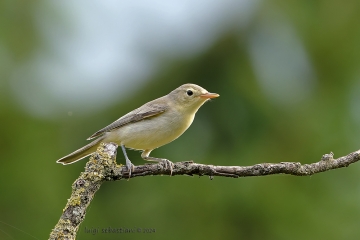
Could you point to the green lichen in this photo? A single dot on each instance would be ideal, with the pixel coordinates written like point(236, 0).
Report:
point(75, 201)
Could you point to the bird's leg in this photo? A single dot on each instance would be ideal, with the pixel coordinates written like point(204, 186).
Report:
point(168, 164)
point(129, 164)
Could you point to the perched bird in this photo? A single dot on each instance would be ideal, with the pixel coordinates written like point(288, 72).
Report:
point(150, 126)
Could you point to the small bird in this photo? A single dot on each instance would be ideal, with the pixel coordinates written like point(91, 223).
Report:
point(150, 126)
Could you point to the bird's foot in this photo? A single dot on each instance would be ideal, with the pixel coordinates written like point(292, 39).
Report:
point(168, 165)
point(129, 166)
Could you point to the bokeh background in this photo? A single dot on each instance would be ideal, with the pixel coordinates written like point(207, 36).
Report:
point(288, 73)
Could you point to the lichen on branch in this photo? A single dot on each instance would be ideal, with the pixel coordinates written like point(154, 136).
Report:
point(102, 167)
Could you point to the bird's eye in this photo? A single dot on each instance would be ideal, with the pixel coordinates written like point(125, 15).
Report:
point(189, 92)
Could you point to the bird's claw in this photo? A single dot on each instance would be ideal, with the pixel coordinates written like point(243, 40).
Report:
point(129, 166)
point(168, 165)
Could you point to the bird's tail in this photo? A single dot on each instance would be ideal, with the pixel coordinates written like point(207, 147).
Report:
point(81, 153)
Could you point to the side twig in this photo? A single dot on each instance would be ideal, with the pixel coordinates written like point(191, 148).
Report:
point(102, 167)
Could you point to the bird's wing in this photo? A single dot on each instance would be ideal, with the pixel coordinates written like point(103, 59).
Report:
point(149, 109)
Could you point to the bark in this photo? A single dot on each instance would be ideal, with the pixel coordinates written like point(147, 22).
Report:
point(102, 167)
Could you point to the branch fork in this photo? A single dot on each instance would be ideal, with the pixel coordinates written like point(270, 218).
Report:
point(102, 167)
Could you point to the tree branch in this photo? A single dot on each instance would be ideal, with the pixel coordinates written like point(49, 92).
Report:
point(102, 167)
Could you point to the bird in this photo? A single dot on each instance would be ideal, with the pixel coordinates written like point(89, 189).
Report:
point(150, 126)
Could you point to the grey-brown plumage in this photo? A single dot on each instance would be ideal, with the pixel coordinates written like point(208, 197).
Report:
point(147, 110)
point(81, 153)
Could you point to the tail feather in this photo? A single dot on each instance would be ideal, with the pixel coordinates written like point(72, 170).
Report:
point(81, 153)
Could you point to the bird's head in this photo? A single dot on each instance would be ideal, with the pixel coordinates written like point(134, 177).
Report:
point(190, 96)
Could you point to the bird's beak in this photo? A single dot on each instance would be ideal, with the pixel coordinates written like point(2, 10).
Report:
point(209, 95)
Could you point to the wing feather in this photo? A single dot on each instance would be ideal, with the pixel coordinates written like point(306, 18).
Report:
point(147, 110)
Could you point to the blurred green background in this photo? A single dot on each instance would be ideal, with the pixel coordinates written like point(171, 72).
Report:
point(288, 73)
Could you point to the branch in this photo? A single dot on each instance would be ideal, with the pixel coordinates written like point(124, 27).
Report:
point(102, 167)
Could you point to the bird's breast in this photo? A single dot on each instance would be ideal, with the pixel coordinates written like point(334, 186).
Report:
point(152, 132)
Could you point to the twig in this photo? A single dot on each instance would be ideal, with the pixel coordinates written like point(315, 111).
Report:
point(102, 167)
